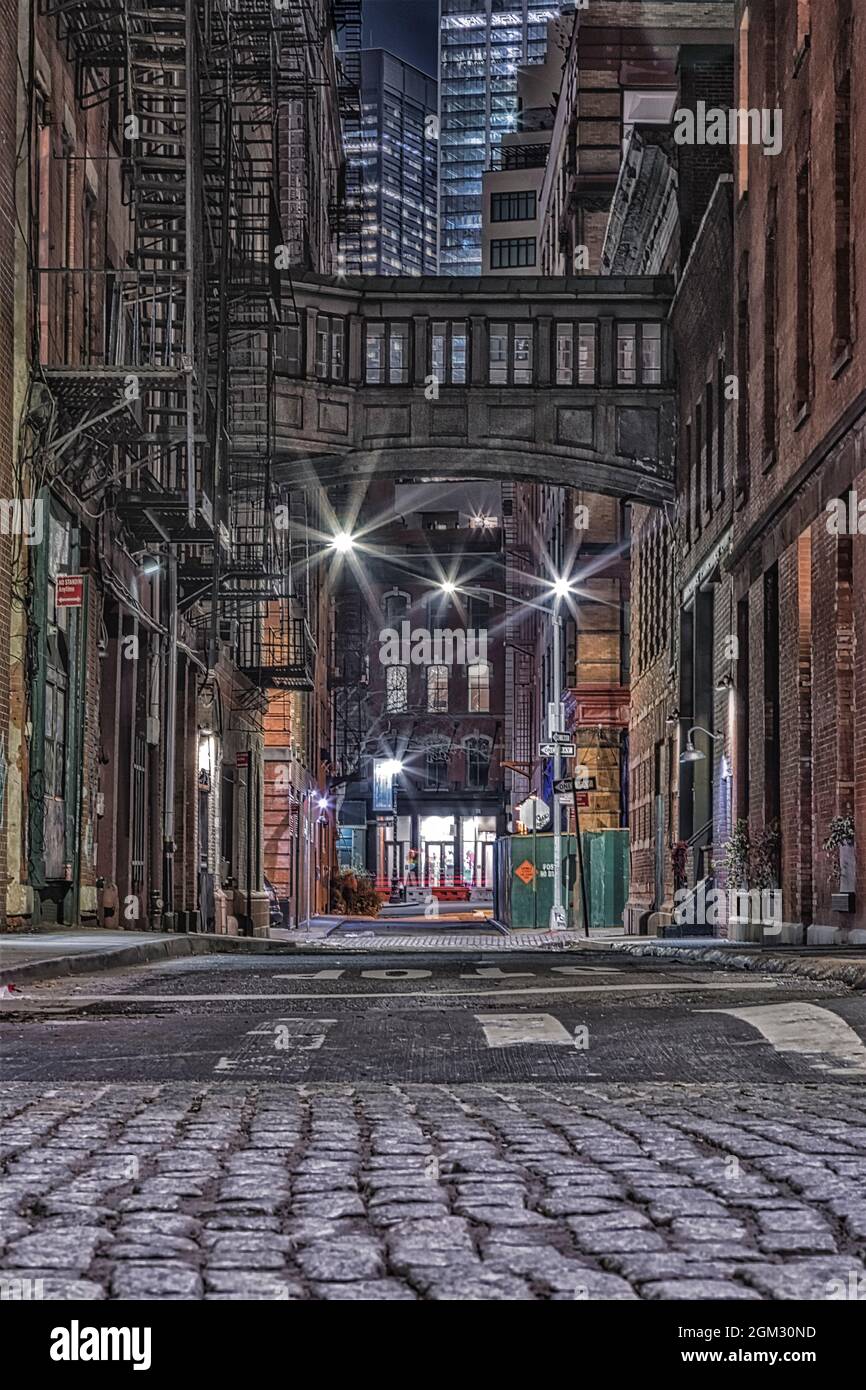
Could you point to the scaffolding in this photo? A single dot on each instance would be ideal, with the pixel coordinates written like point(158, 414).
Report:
point(169, 414)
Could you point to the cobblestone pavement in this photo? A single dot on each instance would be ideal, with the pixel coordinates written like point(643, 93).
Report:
point(377, 1192)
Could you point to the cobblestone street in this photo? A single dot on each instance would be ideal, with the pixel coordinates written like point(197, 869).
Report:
point(365, 1192)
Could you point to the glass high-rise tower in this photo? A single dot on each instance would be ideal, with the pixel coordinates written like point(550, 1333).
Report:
point(481, 45)
point(391, 168)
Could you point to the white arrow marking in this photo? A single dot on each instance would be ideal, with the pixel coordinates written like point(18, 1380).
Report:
point(817, 1034)
point(510, 1030)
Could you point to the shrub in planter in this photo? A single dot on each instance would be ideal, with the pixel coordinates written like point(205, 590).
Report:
point(353, 894)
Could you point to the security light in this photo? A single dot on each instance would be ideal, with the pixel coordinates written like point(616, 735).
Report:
point(343, 542)
point(151, 564)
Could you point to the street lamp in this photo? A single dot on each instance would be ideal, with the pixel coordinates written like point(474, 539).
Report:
point(690, 753)
point(560, 589)
point(343, 542)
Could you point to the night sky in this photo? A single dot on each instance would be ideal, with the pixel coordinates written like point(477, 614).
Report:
point(408, 28)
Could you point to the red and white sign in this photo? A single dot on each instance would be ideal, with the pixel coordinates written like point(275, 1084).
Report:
point(243, 760)
point(69, 590)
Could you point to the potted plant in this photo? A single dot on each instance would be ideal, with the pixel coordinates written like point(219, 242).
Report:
point(839, 848)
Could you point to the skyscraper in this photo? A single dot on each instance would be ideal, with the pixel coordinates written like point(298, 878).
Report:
point(391, 168)
point(481, 45)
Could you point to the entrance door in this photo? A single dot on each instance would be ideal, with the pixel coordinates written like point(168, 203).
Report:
point(439, 863)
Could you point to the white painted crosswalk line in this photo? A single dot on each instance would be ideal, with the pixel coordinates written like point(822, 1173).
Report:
point(508, 1030)
point(817, 1034)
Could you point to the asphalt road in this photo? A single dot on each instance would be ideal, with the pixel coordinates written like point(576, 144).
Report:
point(452, 1019)
point(379, 1127)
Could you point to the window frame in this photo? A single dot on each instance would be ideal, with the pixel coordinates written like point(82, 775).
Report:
point(447, 378)
point(640, 369)
point(437, 682)
point(397, 700)
point(335, 331)
point(510, 325)
point(515, 197)
point(573, 336)
point(483, 690)
point(388, 326)
point(496, 261)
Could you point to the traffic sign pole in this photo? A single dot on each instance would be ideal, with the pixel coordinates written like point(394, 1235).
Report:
point(583, 894)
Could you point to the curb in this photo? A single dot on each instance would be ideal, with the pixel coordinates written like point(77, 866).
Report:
point(823, 969)
point(144, 953)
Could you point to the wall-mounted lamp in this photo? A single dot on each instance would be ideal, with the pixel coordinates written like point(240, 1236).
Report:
point(690, 753)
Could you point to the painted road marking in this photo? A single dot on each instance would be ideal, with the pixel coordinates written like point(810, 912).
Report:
point(510, 1030)
point(817, 1034)
point(312, 975)
point(492, 972)
point(275, 1040)
point(430, 995)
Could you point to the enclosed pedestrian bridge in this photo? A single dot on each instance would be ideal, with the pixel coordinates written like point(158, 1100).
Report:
point(566, 381)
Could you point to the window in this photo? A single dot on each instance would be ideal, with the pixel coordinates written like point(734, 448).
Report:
point(511, 347)
point(397, 689)
point(290, 344)
point(844, 243)
point(436, 767)
point(770, 346)
point(396, 608)
point(744, 361)
point(507, 253)
point(512, 207)
point(639, 354)
point(626, 354)
point(478, 682)
point(449, 352)
point(743, 97)
point(387, 354)
point(651, 354)
point(330, 348)
point(437, 689)
point(803, 291)
point(477, 751)
point(565, 340)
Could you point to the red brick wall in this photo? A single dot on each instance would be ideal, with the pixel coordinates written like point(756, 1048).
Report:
point(8, 90)
point(782, 513)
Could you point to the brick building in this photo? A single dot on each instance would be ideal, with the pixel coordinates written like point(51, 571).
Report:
point(798, 561)
point(430, 687)
point(8, 176)
point(147, 613)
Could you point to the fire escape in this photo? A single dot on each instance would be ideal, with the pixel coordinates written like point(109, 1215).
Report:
point(169, 416)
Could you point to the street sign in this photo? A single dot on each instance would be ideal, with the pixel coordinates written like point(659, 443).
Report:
point(533, 813)
point(525, 872)
point(581, 799)
point(564, 787)
point(585, 784)
point(69, 590)
point(557, 750)
point(561, 738)
point(242, 759)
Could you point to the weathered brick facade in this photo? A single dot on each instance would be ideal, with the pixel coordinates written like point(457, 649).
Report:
point(8, 124)
point(801, 272)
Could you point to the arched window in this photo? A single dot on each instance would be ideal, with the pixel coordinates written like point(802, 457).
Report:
point(478, 680)
point(437, 689)
point(397, 689)
point(436, 765)
point(477, 750)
